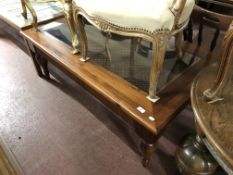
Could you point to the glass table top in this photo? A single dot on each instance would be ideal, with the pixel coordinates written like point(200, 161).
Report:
point(135, 70)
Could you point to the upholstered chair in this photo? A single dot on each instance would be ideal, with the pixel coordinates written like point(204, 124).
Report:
point(153, 20)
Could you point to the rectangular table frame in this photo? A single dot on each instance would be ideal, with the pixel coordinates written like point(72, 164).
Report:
point(122, 97)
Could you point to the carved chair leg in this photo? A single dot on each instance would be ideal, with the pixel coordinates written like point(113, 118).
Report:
point(138, 44)
point(147, 150)
point(133, 45)
point(178, 45)
point(24, 9)
point(68, 11)
point(158, 53)
point(33, 13)
point(107, 48)
point(80, 24)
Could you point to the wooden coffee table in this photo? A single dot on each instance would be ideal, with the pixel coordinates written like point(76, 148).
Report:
point(128, 101)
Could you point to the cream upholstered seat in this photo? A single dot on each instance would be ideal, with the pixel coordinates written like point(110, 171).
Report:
point(145, 14)
point(153, 20)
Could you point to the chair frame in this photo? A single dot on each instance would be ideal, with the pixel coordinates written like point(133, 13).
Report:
point(206, 123)
point(68, 13)
point(158, 38)
point(214, 93)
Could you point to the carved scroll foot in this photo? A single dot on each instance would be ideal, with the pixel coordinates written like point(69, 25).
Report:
point(158, 53)
point(84, 59)
point(24, 14)
point(153, 99)
point(224, 69)
point(75, 51)
point(75, 44)
point(211, 97)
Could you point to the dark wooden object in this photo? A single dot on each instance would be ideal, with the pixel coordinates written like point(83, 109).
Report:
point(214, 112)
point(227, 3)
point(214, 120)
point(212, 100)
point(119, 95)
point(206, 17)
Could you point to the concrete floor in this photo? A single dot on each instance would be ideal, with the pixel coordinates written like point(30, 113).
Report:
point(57, 128)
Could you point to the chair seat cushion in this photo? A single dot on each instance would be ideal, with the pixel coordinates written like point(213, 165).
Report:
point(149, 15)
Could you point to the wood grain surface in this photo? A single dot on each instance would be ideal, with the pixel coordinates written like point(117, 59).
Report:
point(215, 119)
point(121, 96)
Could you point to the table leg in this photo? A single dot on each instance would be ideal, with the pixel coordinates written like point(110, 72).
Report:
point(148, 144)
point(40, 63)
point(147, 149)
point(34, 60)
point(43, 62)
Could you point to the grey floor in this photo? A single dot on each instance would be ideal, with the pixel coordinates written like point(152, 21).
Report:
point(57, 128)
